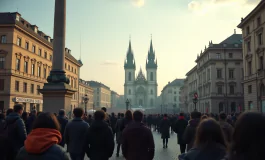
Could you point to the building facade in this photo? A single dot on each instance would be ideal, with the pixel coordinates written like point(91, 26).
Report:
point(220, 76)
point(114, 99)
point(183, 97)
point(26, 55)
point(170, 95)
point(102, 94)
point(85, 89)
point(253, 58)
point(139, 89)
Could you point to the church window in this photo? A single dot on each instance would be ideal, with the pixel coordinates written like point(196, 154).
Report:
point(152, 76)
point(151, 91)
point(129, 92)
point(130, 76)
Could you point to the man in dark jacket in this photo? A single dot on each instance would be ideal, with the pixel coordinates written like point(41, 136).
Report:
point(113, 121)
point(179, 128)
point(190, 131)
point(17, 133)
point(119, 133)
point(30, 120)
point(226, 127)
point(164, 129)
point(75, 135)
point(63, 122)
point(137, 140)
point(100, 142)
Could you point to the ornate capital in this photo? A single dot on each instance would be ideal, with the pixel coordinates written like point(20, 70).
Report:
point(26, 58)
point(18, 55)
point(58, 77)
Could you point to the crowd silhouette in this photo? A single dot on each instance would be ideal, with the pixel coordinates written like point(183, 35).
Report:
point(37, 135)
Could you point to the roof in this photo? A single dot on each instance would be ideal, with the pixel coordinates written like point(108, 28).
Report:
point(233, 39)
point(260, 6)
point(97, 84)
point(10, 18)
point(192, 70)
point(140, 77)
point(176, 82)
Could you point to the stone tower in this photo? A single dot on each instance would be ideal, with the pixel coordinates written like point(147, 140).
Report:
point(151, 70)
point(129, 67)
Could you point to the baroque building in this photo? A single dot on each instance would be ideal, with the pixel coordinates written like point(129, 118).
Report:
point(141, 90)
point(253, 58)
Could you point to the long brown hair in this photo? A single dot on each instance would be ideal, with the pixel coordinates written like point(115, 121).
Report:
point(208, 133)
point(129, 115)
point(46, 120)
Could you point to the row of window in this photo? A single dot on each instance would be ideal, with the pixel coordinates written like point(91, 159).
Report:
point(219, 56)
point(259, 42)
point(129, 92)
point(25, 87)
point(33, 49)
point(69, 68)
point(220, 89)
point(258, 23)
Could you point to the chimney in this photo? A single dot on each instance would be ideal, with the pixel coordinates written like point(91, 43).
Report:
point(69, 51)
point(66, 50)
point(35, 28)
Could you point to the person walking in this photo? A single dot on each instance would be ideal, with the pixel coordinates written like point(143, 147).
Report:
point(209, 143)
point(30, 120)
point(75, 135)
point(226, 127)
point(189, 133)
point(119, 134)
point(137, 140)
point(179, 129)
point(113, 121)
point(43, 140)
point(248, 142)
point(63, 122)
point(165, 129)
point(100, 142)
point(16, 131)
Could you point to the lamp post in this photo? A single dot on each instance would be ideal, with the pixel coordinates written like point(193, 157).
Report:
point(93, 107)
point(127, 104)
point(195, 100)
point(86, 99)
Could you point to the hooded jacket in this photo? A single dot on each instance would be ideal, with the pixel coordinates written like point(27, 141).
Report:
point(189, 133)
point(41, 143)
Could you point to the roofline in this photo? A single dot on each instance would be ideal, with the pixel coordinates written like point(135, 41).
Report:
point(189, 72)
point(254, 11)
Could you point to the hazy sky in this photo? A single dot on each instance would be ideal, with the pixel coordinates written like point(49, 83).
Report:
point(180, 30)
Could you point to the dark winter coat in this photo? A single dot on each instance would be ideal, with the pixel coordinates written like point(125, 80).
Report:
point(119, 131)
point(30, 122)
point(75, 136)
point(164, 128)
point(55, 152)
point(179, 128)
point(20, 134)
point(189, 133)
point(63, 122)
point(212, 152)
point(100, 141)
point(137, 142)
point(113, 121)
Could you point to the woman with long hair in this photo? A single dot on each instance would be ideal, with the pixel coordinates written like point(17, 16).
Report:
point(209, 142)
point(43, 140)
point(248, 142)
point(127, 119)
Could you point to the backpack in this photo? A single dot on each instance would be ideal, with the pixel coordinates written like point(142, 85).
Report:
point(7, 129)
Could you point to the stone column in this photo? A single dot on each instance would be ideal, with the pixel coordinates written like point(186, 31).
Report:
point(57, 93)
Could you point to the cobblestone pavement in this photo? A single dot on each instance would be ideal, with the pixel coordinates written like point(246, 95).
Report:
point(171, 153)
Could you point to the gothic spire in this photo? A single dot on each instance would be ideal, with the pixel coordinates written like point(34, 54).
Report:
point(151, 62)
point(129, 62)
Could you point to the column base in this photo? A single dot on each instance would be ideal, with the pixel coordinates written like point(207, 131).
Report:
point(57, 96)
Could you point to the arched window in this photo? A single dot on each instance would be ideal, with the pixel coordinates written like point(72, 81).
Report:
point(130, 76)
point(151, 102)
point(151, 76)
point(129, 92)
point(151, 91)
point(221, 107)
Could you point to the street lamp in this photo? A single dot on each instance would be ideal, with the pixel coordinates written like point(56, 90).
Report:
point(86, 99)
point(195, 100)
point(127, 104)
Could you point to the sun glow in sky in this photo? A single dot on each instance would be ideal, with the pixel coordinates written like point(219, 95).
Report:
point(180, 30)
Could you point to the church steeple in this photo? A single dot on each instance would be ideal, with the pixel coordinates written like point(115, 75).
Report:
point(129, 62)
point(151, 61)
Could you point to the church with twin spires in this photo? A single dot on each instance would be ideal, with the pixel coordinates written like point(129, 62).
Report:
point(140, 89)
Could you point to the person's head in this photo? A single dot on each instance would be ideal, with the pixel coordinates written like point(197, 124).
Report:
point(128, 115)
point(46, 120)
point(222, 116)
point(18, 108)
point(112, 114)
point(39, 113)
point(248, 139)
point(8, 111)
point(195, 115)
point(78, 112)
point(55, 114)
point(209, 133)
point(24, 116)
point(89, 116)
point(104, 109)
point(34, 112)
point(122, 115)
point(181, 114)
point(62, 112)
point(165, 115)
point(119, 114)
point(99, 115)
point(204, 117)
point(137, 116)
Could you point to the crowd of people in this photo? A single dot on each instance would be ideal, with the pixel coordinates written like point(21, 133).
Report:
point(200, 136)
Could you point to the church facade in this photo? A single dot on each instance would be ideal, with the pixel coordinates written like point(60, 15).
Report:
point(141, 89)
